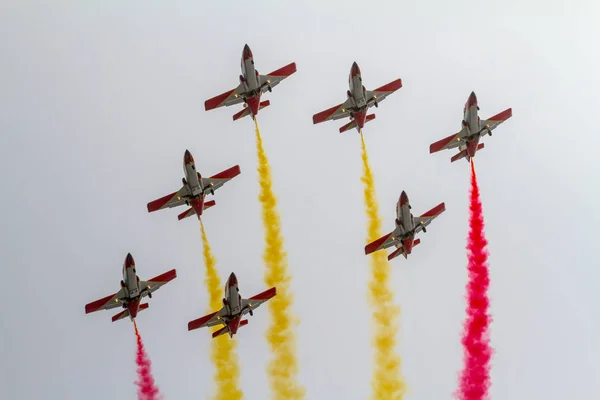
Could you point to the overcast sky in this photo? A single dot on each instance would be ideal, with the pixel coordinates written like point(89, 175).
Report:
point(99, 100)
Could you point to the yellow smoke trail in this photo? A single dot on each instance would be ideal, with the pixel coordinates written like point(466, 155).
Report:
point(283, 367)
point(222, 351)
point(387, 382)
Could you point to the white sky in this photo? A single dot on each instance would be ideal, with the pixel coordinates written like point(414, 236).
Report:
point(99, 101)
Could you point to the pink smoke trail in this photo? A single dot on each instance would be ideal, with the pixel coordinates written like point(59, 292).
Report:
point(147, 390)
point(475, 376)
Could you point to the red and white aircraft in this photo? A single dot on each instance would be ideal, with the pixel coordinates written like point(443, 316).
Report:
point(473, 128)
point(407, 226)
point(194, 190)
point(252, 86)
point(234, 308)
point(358, 102)
point(131, 293)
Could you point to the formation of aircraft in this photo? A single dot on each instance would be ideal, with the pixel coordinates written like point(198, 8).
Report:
point(233, 310)
point(473, 129)
point(407, 226)
point(252, 86)
point(358, 102)
point(194, 189)
point(132, 291)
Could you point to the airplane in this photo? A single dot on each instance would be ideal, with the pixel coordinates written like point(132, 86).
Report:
point(131, 293)
point(358, 102)
point(194, 190)
point(473, 129)
point(407, 226)
point(234, 308)
point(252, 86)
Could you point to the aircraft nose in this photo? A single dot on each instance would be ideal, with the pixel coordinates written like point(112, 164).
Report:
point(129, 262)
point(403, 198)
point(472, 99)
point(187, 157)
point(247, 52)
point(355, 69)
point(232, 279)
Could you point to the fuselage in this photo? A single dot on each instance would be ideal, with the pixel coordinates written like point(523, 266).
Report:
point(193, 180)
point(404, 220)
point(233, 304)
point(250, 80)
point(472, 123)
point(131, 284)
point(357, 94)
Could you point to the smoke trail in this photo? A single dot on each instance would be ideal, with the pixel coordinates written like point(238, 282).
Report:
point(475, 376)
point(387, 382)
point(283, 367)
point(147, 389)
point(223, 355)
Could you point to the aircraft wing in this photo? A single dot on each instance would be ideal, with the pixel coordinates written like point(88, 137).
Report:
point(156, 282)
point(171, 200)
point(381, 93)
point(496, 120)
point(389, 240)
point(333, 113)
point(218, 180)
point(449, 142)
point(425, 219)
point(274, 78)
point(106, 303)
point(208, 320)
point(255, 301)
point(226, 99)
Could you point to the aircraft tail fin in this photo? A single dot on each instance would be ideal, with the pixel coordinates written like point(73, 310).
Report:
point(352, 124)
point(246, 111)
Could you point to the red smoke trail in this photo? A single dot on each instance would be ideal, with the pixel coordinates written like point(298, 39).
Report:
point(147, 390)
point(475, 376)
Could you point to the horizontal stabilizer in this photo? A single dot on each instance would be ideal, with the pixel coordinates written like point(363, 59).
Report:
point(352, 124)
point(460, 155)
point(401, 251)
point(396, 253)
point(246, 111)
point(125, 314)
point(225, 329)
point(220, 332)
point(189, 212)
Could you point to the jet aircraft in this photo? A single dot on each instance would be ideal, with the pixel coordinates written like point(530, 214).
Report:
point(358, 102)
point(407, 226)
point(194, 190)
point(252, 86)
point(131, 293)
point(234, 308)
point(473, 129)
